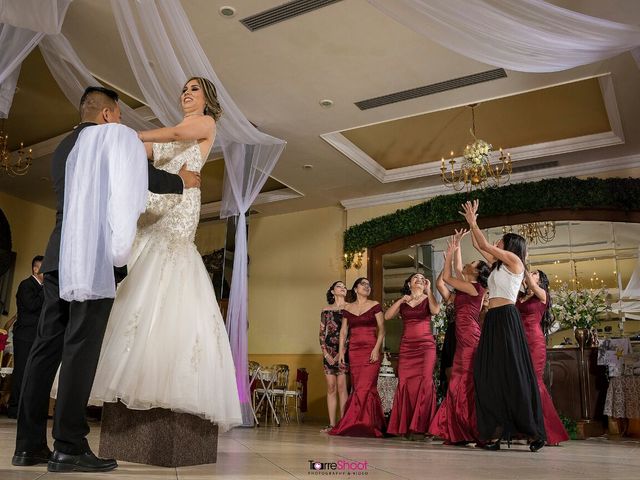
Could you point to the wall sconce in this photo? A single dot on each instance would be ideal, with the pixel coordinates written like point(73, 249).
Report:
point(353, 260)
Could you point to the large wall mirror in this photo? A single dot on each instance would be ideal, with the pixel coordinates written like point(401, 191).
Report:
point(593, 253)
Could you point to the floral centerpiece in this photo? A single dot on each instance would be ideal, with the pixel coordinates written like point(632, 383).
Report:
point(579, 309)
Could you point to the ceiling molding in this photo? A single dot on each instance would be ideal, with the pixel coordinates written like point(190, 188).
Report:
point(213, 208)
point(518, 154)
point(578, 169)
point(611, 105)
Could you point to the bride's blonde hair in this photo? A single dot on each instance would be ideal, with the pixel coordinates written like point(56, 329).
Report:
point(212, 106)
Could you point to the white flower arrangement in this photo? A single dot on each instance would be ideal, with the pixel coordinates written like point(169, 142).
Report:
point(581, 308)
point(477, 152)
point(439, 321)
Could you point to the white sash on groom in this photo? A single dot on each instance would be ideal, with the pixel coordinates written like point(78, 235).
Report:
point(106, 182)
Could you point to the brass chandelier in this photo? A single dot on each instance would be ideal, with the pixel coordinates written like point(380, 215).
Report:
point(477, 169)
point(13, 165)
point(534, 233)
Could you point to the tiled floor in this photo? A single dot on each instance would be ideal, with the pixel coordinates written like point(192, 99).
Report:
point(284, 453)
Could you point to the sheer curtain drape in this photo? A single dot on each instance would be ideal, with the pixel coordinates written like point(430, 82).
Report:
point(73, 77)
point(164, 52)
point(16, 43)
point(521, 35)
point(22, 26)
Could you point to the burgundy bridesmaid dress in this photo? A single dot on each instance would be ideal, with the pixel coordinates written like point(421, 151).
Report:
point(531, 312)
point(455, 420)
point(363, 415)
point(414, 403)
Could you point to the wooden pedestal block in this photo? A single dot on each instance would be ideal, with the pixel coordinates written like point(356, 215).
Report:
point(157, 437)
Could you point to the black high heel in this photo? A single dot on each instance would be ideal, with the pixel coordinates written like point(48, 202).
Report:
point(492, 446)
point(536, 445)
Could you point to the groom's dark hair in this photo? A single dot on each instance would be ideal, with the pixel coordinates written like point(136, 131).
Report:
point(94, 99)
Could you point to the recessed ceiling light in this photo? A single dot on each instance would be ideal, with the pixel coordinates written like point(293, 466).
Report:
point(326, 103)
point(227, 11)
point(307, 167)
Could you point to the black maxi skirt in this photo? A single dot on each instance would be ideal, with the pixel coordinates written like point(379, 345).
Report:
point(507, 398)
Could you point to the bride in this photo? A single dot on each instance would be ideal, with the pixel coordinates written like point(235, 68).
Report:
point(166, 344)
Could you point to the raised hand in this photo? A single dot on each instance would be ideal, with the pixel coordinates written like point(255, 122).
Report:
point(451, 247)
point(460, 234)
point(406, 298)
point(470, 211)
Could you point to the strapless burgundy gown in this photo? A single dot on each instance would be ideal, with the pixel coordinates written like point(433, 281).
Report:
point(531, 312)
point(363, 414)
point(455, 420)
point(414, 403)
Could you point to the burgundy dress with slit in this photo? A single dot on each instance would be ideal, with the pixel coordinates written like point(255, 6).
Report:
point(363, 414)
point(455, 420)
point(414, 403)
point(531, 312)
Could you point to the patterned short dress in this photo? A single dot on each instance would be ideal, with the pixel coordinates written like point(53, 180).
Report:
point(330, 324)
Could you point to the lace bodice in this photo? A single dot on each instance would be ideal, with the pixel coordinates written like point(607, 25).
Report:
point(174, 216)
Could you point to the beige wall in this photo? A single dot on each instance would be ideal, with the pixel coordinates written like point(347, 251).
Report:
point(293, 259)
point(31, 225)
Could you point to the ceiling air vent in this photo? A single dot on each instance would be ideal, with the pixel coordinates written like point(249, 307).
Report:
point(431, 89)
point(283, 12)
point(534, 167)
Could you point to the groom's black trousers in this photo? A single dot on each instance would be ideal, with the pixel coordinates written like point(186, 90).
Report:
point(71, 333)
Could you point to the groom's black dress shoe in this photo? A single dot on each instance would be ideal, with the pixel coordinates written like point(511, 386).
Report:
point(26, 459)
point(85, 462)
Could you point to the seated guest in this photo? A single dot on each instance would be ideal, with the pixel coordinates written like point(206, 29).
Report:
point(364, 322)
point(29, 298)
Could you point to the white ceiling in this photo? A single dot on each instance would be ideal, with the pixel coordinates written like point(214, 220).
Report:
point(346, 52)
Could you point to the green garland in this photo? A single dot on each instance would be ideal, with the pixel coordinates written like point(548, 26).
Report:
point(557, 193)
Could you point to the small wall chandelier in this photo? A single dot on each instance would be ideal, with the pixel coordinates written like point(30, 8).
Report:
point(534, 233)
point(13, 164)
point(353, 260)
point(477, 169)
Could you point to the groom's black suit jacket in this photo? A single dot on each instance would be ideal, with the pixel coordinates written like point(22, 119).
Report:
point(159, 182)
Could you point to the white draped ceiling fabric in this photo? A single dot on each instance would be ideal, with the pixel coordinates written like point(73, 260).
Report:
point(19, 35)
point(520, 35)
point(163, 52)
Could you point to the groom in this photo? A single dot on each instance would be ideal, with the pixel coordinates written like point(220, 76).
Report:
point(71, 332)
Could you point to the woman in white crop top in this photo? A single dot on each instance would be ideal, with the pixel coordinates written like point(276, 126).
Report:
point(507, 396)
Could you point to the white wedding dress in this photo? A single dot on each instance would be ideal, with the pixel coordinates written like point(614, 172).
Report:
point(166, 344)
